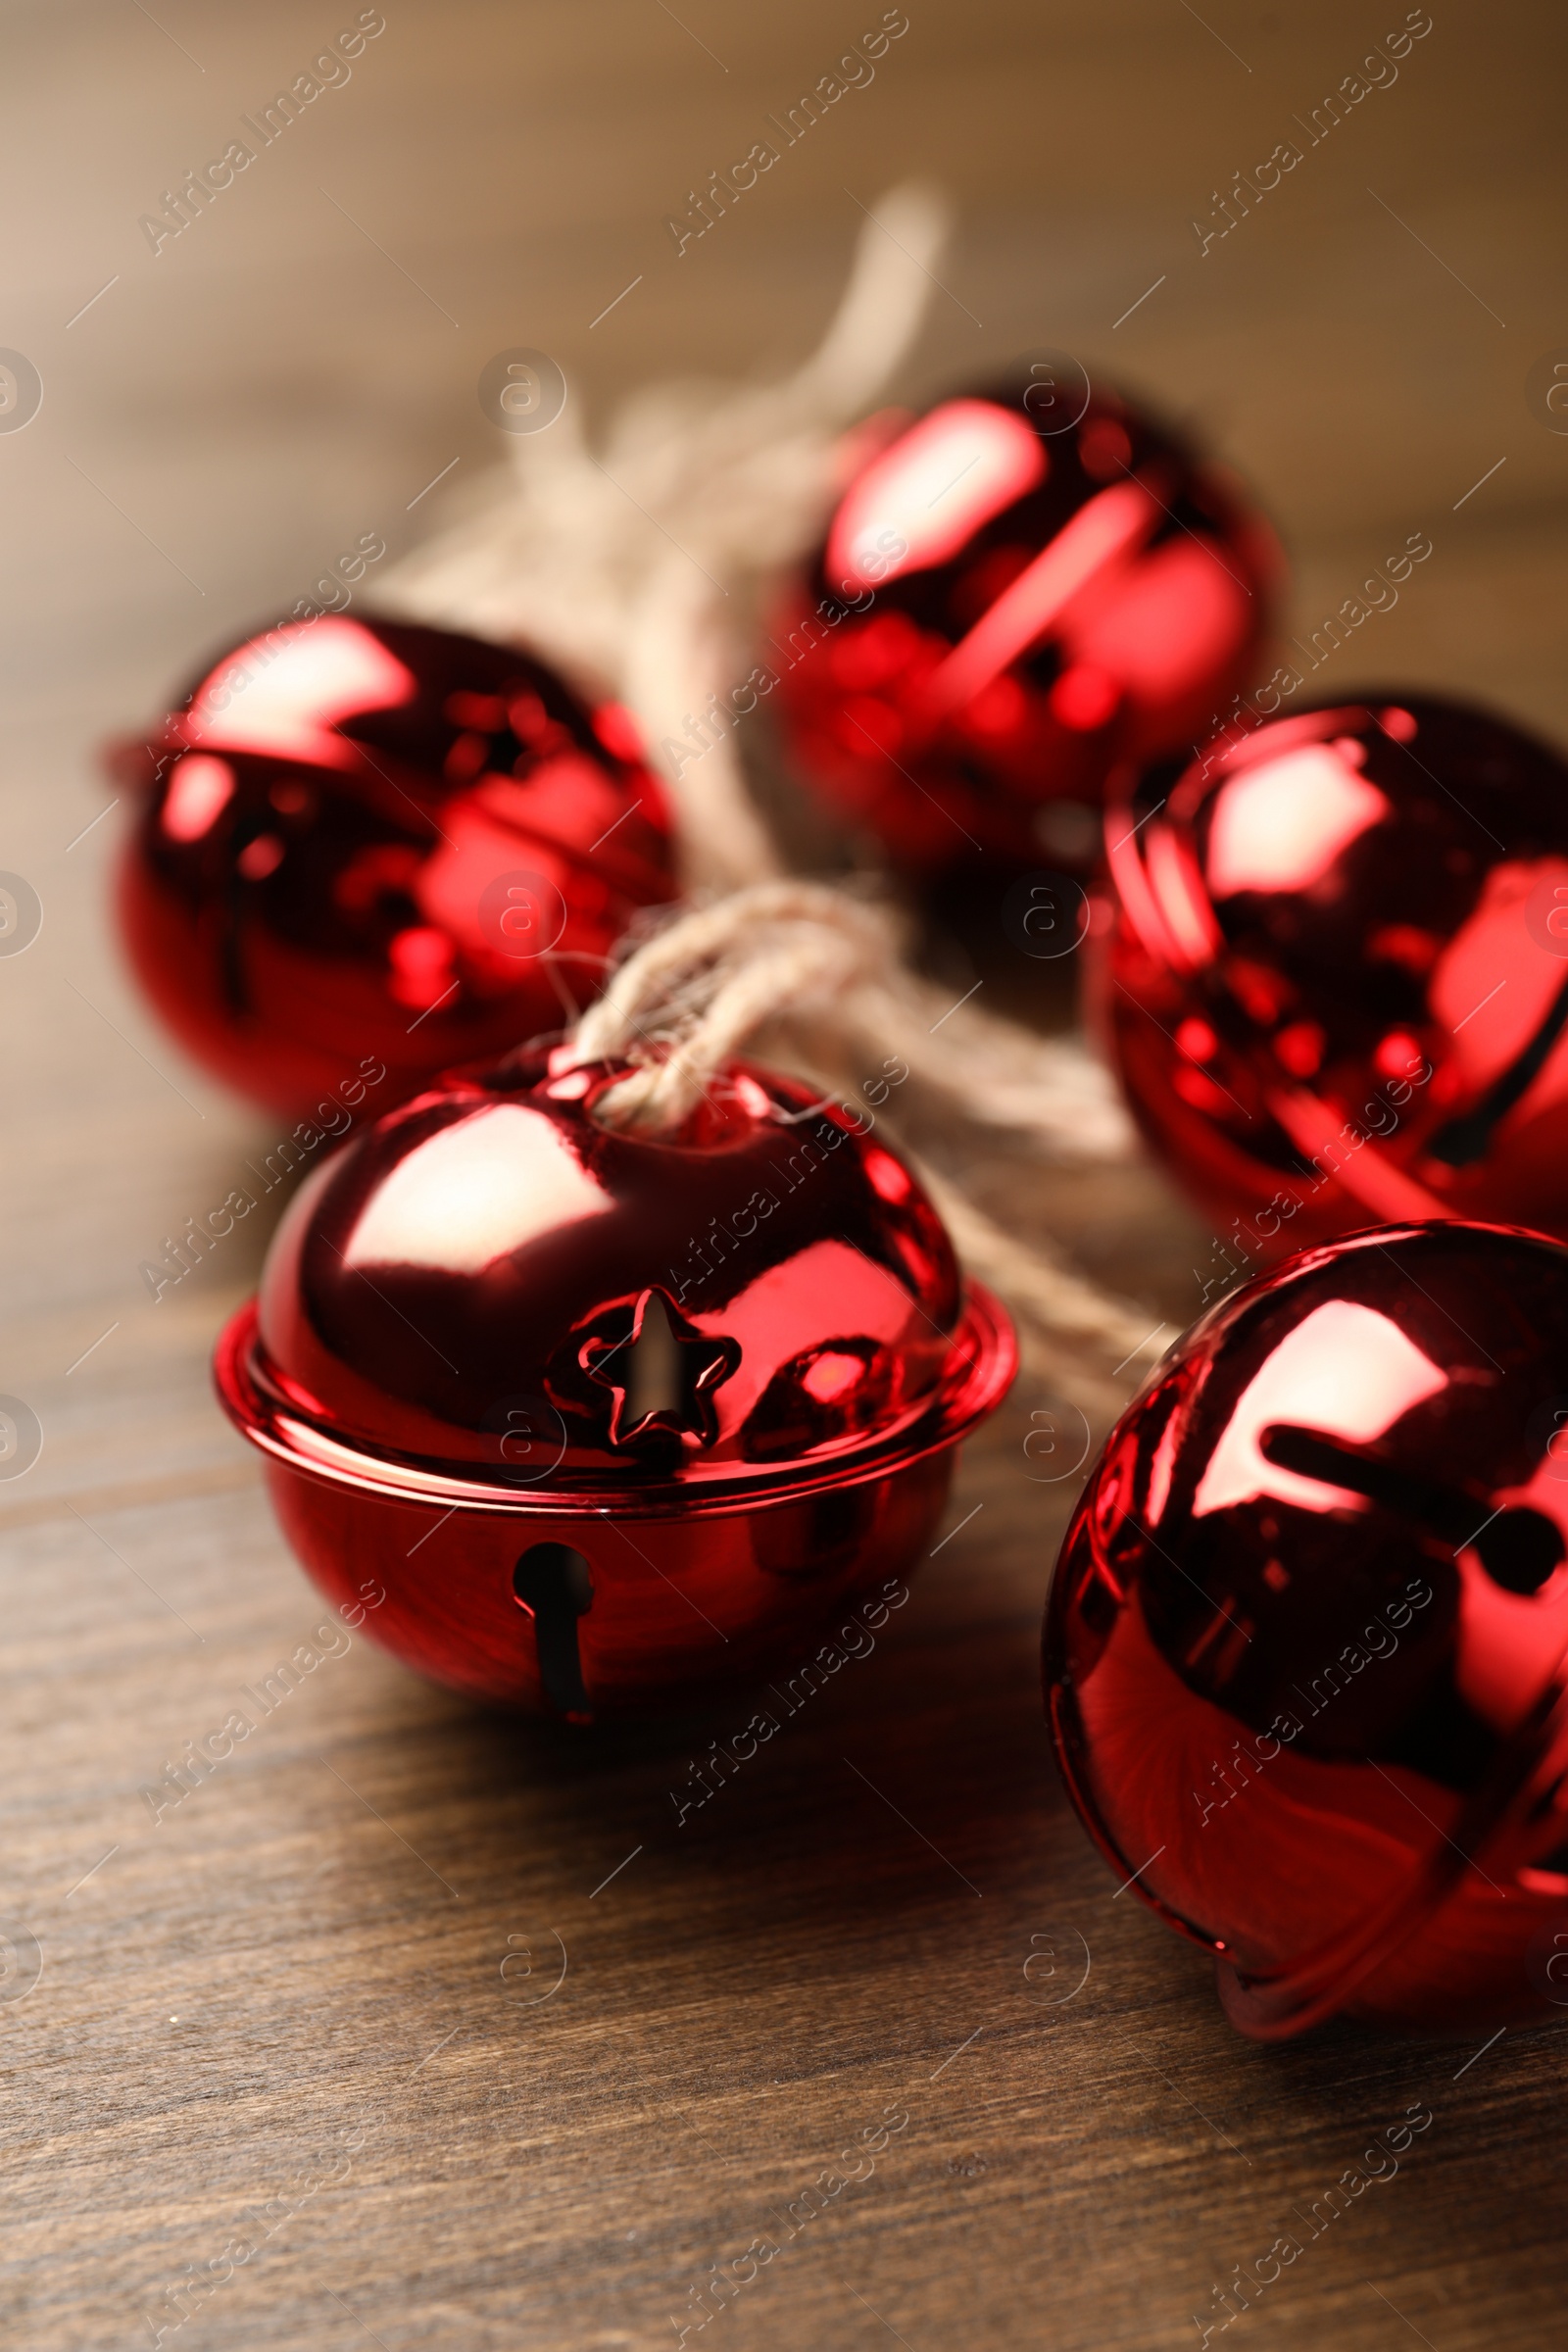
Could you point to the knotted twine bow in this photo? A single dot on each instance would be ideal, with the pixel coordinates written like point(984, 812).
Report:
point(811, 978)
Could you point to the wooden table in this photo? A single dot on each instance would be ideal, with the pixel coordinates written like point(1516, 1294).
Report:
point(276, 2016)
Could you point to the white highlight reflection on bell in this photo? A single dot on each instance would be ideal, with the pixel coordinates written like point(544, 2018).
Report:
point(1281, 825)
point(475, 1193)
point(306, 675)
point(1346, 1370)
point(941, 480)
point(199, 791)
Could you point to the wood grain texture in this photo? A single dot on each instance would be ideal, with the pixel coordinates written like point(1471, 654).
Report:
point(278, 2014)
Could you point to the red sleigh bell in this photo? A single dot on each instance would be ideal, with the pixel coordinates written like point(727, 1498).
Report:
point(1025, 588)
point(612, 1420)
point(362, 843)
point(1306, 1648)
point(1336, 986)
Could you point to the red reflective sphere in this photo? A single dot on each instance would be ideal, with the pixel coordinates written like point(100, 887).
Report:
point(1019, 592)
point(1336, 984)
point(1305, 1646)
point(612, 1420)
point(366, 844)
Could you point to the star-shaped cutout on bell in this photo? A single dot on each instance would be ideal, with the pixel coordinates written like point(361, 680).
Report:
point(661, 1372)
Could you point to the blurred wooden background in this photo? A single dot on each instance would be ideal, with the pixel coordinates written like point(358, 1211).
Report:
point(310, 1947)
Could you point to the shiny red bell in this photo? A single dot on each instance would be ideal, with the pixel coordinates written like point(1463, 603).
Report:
point(614, 1421)
point(365, 844)
point(1336, 984)
point(1019, 591)
point(1306, 1648)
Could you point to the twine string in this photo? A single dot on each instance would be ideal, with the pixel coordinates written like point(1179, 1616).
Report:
point(642, 570)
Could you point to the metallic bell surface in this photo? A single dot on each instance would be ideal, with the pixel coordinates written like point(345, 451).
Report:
point(1307, 1644)
point(613, 1420)
point(1335, 978)
point(367, 845)
point(1023, 590)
